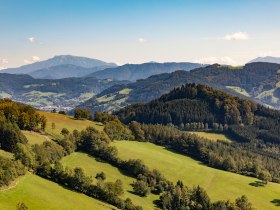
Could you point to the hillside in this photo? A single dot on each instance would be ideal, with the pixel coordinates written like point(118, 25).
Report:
point(39, 193)
point(65, 71)
point(56, 61)
point(133, 72)
point(64, 93)
point(257, 81)
point(219, 184)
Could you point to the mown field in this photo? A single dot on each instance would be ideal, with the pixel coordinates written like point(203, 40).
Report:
point(64, 121)
point(92, 167)
point(35, 138)
point(39, 193)
point(212, 136)
point(219, 184)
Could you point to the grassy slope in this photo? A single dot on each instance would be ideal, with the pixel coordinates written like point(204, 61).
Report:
point(6, 154)
point(35, 138)
point(91, 167)
point(212, 136)
point(63, 121)
point(219, 184)
point(39, 193)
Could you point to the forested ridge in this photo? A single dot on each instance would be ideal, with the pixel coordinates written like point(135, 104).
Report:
point(255, 81)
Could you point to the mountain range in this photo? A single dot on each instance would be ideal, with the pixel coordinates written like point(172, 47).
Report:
point(61, 66)
point(133, 72)
point(255, 81)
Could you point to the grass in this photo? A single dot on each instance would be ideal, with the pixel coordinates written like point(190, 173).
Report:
point(219, 184)
point(239, 90)
point(212, 136)
point(92, 166)
point(35, 138)
point(125, 91)
point(39, 193)
point(6, 154)
point(64, 121)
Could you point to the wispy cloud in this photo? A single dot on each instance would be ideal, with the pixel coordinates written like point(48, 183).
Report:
point(211, 60)
point(238, 36)
point(3, 61)
point(142, 40)
point(33, 59)
point(31, 40)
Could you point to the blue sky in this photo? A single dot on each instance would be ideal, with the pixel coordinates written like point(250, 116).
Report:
point(134, 31)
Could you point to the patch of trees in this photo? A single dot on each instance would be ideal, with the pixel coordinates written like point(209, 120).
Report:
point(103, 117)
point(118, 131)
point(180, 197)
point(10, 170)
point(24, 116)
point(82, 113)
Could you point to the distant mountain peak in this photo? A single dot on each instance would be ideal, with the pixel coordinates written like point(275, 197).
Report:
point(266, 59)
point(57, 60)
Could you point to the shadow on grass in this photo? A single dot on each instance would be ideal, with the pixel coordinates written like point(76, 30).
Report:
point(257, 184)
point(276, 202)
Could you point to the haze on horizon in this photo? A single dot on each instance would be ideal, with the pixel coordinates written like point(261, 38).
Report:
point(124, 31)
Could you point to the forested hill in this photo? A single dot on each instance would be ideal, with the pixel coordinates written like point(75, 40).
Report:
point(203, 105)
point(255, 81)
point(133, 72)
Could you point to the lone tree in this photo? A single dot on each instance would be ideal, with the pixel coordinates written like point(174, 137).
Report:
point(101, 176)
point(141, 188)
point(265, 176)
point(64, 131)
point(53, 126)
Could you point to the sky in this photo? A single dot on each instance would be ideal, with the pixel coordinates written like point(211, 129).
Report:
point(136, 31)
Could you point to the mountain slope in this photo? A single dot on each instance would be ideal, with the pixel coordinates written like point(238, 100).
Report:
point(256, 81)
point(267, 59)
point(58, 60)
point(133, 72)
point(67, 93)
point(64, 71)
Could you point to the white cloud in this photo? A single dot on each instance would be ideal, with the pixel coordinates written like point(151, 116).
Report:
point(236, 36)
point(4, 61)
point(211, 60)
point(33, 59)
point(142, 40)
point(31, 40)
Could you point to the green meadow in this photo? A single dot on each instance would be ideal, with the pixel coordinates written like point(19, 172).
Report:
point(219, 184)
point(39, 193)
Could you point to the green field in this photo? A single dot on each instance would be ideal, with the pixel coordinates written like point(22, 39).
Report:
point(35, 138)
point(212, 136)
point(219, 184)
point(6, 154)
point(64, 121)
point(39, 193)
point(91, 167)
point(239, 90)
